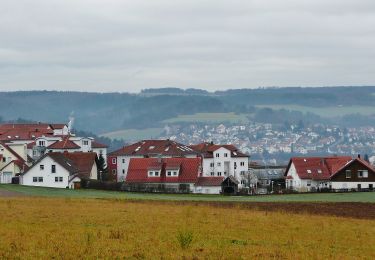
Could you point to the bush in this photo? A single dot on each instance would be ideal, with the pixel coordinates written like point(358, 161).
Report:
point(185, 238)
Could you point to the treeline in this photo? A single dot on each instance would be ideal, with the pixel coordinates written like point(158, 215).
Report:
point(103, 112)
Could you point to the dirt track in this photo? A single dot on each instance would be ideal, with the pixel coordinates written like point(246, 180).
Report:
point(339, 209)
point(6, 193)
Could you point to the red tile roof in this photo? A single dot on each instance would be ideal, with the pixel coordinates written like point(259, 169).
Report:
point(209, 181)
point(78, 163)
point(155, 147)
point(95, 144)
point(318, 168)
point(64, 144)
point(138, 170)
point(26, 131)
point(207, 149)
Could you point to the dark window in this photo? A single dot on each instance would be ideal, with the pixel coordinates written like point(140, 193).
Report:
point(53, 168)
point(371, 187)
point(40, 179)
point(35, 179)
point(60, 179)
point(41, 167)
point(348, 174)
point(359, 186)
point(56, 179)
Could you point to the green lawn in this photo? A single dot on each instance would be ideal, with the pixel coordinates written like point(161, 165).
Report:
point(325, 111)
point(134, 134)
point(209, 118)
point(322, 197)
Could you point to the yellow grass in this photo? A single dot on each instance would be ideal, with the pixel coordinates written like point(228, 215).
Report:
point(45, 228)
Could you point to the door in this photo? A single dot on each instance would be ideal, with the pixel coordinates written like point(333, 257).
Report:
point(7, 177)
point(77, 185)
point(359, 187)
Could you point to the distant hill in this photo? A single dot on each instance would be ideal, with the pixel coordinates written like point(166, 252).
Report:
point(105, 112)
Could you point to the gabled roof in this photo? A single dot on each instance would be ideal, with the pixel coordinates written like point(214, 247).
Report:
point(359, 160)
point(65, 143)
point(209, 181)
point(78, 163)
point(317, 168)
point(207, 149)
point(155, 147)
point(139, 167)
point(95, 144)
point(12, 151)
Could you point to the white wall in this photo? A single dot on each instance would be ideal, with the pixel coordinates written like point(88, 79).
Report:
point(122, 166)
point(351, 185)
point(48, 176)
point(207, 169)
point(207, 189)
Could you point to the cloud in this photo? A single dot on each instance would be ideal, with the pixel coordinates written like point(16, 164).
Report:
point(129, 45)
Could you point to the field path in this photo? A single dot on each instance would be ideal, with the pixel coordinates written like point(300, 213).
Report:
point(7, 193)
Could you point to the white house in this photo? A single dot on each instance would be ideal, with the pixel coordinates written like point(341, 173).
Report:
point(61, 170)
point(305, 174)
point(13, 161)
point(223, 161)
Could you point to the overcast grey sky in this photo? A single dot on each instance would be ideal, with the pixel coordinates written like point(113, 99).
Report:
point(128, 45)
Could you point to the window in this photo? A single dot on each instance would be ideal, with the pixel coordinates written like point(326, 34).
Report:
point(4, 159)
point(348, 174)
point(113, 171)
point(212, 173)
point(225, 155)
point(156, 173)
point(219, 164)
point(41, 167)
point(42, 143)
point(217, 155)
point(150, 173)
point(218, 173)
point(123, 171)
point(53, 168)
point(308, 171)
point(242, 163)
point(58, 179)
point(308, 183)
point(113, 160)
point(319, 171)
point(235, 165)
point(123, 160)
point(362, 174)
point(35, 179)
point(242, 173)
point(40, 179)
point(169, 173)
point(212, 164)
point(243, 182)
point(175, 173)
point(85, 142)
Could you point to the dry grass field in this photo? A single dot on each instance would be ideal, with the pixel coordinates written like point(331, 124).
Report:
point(76, 228)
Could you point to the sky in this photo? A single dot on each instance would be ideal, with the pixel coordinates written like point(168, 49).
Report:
point(129, 45)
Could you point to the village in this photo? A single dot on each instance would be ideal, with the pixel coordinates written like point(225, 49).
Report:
point(49, 155)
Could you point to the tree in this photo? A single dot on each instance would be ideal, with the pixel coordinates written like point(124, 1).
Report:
point(102, 168)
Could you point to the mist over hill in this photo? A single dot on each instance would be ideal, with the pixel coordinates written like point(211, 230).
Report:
point(102, 112)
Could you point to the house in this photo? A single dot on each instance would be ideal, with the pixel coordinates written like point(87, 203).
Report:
point(118, 161)
point(177, 174)
point(338, 172)
point(269, 177)
point(223, 161)
point(13, 161)
point(61, 170)
point(67, 143)
point(30, 131)
point(42, 137)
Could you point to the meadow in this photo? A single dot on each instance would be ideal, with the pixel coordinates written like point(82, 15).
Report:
point(134, 134)
point(210, 118)
point(84, 193)
point(67, 228)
